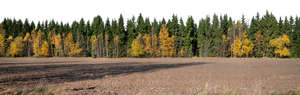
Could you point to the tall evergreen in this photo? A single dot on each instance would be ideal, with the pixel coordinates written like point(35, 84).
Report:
point(190, 42)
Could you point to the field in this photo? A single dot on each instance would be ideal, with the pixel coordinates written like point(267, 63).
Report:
point(150, 76)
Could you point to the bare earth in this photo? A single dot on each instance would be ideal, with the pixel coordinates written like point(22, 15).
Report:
point(148, 76)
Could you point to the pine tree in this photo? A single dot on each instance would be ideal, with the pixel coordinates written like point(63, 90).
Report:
point(174, 30)
point(189, 42)
point(215, 38)
point(270, 31)
point(123, 35)
point(131, 33)
point(141, 27)
point(295, 39)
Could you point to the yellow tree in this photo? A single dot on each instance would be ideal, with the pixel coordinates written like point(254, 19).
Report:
point(100, 45)
point(137, 47)
point(93, 43)
point(51, 38)
point(259, 43)
point(38, 39)
point(71, 48)
point(75, 50)
point(237, 47)
point(181, 52)
point(68, 42)
point(44, 49)
point(116, 45)
point(148, 47)
point(280, 44)
point(155, 47)
point(2, 44)
point(171, 46)
point(58, 45)
point(247, 45)
point(16, 47)
point(107, 43)
point(166, 42)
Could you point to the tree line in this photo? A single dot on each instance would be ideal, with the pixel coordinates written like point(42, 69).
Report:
point(216, 36)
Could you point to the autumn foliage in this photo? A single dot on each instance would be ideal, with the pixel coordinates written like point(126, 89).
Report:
point(166, 42)
point(16, 47)
point(280, 45)
point(242, 48)
point(137, 47)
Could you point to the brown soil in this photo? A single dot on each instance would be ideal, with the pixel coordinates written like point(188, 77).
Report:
point(147, 76)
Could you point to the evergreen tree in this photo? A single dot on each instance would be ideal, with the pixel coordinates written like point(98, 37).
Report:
point(189, 42)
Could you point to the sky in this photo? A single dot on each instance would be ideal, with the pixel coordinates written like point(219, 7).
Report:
point(70, 10)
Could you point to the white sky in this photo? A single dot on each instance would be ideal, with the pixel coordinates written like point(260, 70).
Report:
point(70, 10)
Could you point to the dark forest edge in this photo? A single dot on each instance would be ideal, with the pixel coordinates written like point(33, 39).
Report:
point(219, 36)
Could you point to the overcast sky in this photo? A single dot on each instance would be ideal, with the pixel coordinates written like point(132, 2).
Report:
point(70, 10)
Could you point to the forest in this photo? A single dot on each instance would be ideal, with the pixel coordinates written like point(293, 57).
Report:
point(216, 36)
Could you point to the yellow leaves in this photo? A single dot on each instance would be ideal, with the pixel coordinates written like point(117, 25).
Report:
point(166, 42)
point(16, 47)
point(10, 38)
point(247, 46)
point(280, 44)
point(137, 47)
point(240, 48)
point(237, 47)
point(27, 37)
point(71, 48)
point(44, 49)
point(2, 44)
point(181, 52)
point(156, 50)
point(38, 39)
point(285, 52)
point(75, 50)
point(68, 41)
point(285, 40)
point(148, 47)
point(116, 40)
point(58, 44)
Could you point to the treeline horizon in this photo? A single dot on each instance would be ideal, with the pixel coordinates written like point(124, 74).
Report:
point(216, 36)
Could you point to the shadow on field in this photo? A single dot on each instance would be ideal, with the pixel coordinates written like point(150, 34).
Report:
point(57, 73)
